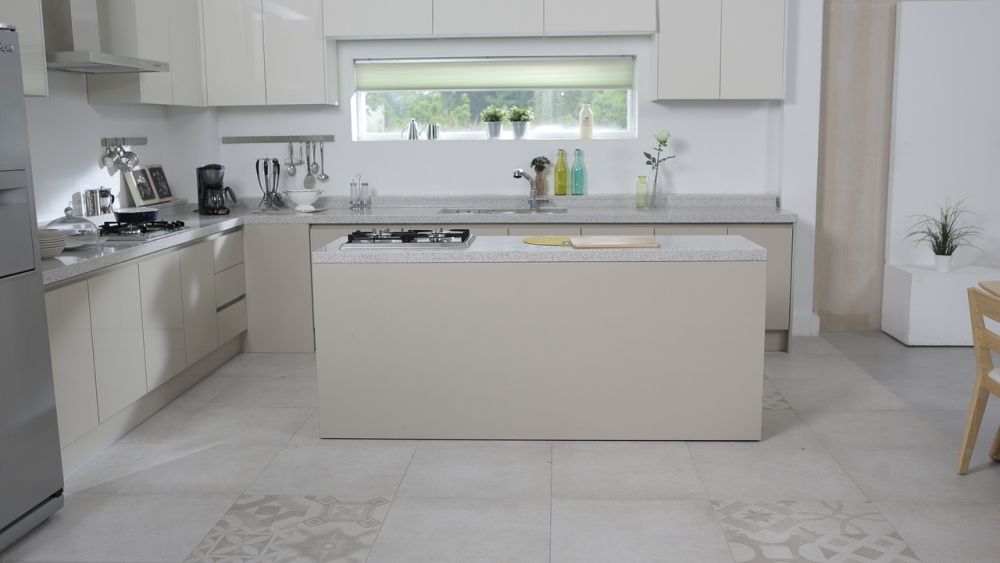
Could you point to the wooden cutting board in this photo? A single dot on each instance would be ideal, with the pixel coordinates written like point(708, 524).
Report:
point(548, 241)
point(614, 242)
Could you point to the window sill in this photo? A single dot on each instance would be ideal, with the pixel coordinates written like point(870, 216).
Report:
point(624, 135)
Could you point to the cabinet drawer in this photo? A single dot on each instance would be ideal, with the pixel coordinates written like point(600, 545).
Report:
point(232, 320)
point(230, 285)
point(228, 251)
point(544, 230)
point(618, 230)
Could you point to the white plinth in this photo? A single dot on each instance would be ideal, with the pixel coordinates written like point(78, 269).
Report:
point(922, 307)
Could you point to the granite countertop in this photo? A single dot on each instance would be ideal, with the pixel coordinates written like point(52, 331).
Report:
point(720, 248)
point(399, 211)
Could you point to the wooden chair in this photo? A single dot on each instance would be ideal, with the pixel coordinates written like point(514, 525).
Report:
point(982, 305)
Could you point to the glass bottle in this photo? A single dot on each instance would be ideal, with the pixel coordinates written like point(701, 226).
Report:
point(579, 174)
point(586, 122)
point(561, 174)
point(642, 193)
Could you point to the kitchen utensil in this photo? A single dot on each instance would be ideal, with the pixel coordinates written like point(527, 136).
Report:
point(77, 231)
point(136, 214)
point(412, 131)
point(301, 160)
point(313, 166)
point(212, 191)
point(304, 199)
point(262, 167)
point(125, 160)
point(290, 163)
point(322, 177)
point(309, 182)
point(549, 241)
point(614, 242)
point(433, 131)
point(107, 200)
point(91, 202)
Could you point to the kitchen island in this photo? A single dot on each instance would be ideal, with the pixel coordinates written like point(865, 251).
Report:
point(505, 340)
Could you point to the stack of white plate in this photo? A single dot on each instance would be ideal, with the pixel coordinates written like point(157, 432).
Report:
point(51, 242)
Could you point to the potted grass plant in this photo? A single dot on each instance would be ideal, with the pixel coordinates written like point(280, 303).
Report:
point(494, 117)
point(519, 120)
point(945, 232)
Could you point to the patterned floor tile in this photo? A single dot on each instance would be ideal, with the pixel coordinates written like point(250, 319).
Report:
point(278, 528)
point(773, 399)
point(769, 531)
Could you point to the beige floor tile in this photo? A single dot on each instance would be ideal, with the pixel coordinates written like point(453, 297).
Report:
point(204, 391)
point(458, 471)
point(624, 471)
point(346, 471)
point(308, 435)
point(269, 391)
point(271, 365)
point(947, 532)
point(120, 528)
point(656, 531)
point(173, 468)
point(464, 531)
point(216, 425)
point(809, 366)
point(811, 345)
point(848, 393)
point(919, 474)
point(874, 429)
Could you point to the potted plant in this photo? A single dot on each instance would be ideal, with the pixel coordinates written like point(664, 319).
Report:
point(494, 117)
point(540, 164)
point(945, 233)
point(519, 120)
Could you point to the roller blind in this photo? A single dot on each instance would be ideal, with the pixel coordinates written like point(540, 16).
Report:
point(494, 74)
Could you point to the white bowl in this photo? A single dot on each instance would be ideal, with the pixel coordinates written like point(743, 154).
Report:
point(304, 199)
point(47, 251)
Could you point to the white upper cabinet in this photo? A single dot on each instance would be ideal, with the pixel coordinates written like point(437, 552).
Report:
point(587, 17)
point(294, 48)
point(753, 49)
point(481, 17)
point(377, 18)
point(721, 49)
point(234, 52)
point(26, 15)
point(688, 49)
point(187, 54)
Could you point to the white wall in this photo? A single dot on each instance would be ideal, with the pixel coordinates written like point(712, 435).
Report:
point(946, 124)
point(65, 133)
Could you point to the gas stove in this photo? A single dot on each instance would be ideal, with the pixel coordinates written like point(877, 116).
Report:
point(416, 239)
point(140, 232)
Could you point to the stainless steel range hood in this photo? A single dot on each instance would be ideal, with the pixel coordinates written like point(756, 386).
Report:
point(73, 41)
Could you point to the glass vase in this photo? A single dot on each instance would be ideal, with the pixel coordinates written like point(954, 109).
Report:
point(541, 182)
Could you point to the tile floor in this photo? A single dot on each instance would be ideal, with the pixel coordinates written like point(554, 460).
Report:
point(861, 436)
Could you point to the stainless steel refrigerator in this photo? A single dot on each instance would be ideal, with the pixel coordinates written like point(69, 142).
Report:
point(30, 464)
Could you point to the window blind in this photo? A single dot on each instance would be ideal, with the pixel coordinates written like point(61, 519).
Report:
point(494, 74)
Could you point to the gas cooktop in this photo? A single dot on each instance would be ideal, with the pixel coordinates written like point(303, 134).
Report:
point(417, 239)
point(145, 231)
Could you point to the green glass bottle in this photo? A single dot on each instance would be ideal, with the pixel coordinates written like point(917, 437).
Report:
point(579, 174)
point(561, 174)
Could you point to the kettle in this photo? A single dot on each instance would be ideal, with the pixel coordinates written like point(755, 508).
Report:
point(412, 131)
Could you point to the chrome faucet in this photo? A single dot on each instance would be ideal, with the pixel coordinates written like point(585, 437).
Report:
point(533, 200)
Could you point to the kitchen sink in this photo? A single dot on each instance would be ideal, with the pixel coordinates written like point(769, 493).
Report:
point(497, 211)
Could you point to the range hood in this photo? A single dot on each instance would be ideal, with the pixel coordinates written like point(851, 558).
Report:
point(73, 41)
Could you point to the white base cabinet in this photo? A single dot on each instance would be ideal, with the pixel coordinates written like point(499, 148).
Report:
point(71, 344)
point(162, 318)
point(201, 331)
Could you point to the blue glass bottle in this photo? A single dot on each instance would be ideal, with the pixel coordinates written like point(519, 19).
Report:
point(579, 174)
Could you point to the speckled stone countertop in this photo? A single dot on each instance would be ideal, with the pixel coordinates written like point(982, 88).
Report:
point(484, 249)
point(399, 211)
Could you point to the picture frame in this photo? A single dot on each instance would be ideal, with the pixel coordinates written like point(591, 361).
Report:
point(140, 187)
point(160, 184)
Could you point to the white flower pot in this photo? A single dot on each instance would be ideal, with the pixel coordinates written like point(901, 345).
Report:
point(520, 128)
point(493, 129)
point(942, 263)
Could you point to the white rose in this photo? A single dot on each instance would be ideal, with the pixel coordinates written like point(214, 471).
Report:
point(663, 137)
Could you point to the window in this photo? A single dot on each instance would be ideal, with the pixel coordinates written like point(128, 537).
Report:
point(452, 92)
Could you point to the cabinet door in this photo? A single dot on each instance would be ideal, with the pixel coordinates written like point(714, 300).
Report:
point(478, 17)
point(617, 230)
point(162, 318)
point(688, 50)
point(234, 52)
point(279, 288)
point(119, 353)
point(125, 30)
point(228, 250)
point(294, 52)
point(777, 240)
point(201, 334)
point(70, 341)
point(753, 49)
point(377, 18)
point(544, 230)
point(187, 54)
point(26, 15)
point(586, 17)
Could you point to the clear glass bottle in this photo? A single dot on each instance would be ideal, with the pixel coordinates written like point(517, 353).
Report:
point(561, 174)
point(586, 122)
point(642, 193)
point(579, 174)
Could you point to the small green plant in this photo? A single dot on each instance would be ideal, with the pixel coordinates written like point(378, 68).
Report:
point(540, 163)
point(493, 114)
point(946, 232)
point(521, 114)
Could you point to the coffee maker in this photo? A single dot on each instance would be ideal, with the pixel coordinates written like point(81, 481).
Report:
point(212, 192)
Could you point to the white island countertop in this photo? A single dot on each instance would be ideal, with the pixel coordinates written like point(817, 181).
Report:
point(486, 249)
